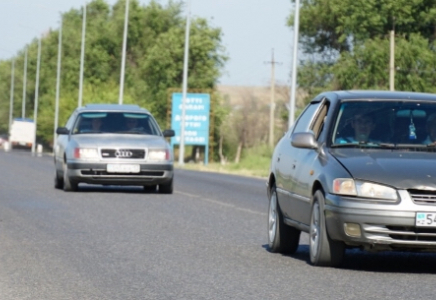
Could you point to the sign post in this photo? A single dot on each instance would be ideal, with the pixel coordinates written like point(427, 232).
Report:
point(197, 112)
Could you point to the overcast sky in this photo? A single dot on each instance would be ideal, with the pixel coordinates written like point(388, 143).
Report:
point(251, 28)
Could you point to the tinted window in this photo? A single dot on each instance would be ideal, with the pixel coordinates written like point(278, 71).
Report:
point(116, 122)
point(305, 118)
point(398, 122)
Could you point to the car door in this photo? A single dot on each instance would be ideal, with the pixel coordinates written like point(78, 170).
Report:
point(287, 161)
point(62, 141)
point(301, 190)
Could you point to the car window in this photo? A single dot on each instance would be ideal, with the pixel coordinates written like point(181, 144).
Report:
point(116, 122)
point(306, 117)
point(382, 123)
point(319, 120)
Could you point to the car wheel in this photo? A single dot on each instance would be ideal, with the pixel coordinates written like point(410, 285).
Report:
point(166, 188)
point(69, 185)
point(323, 250)
point(58, 181)
point(150, 188)
point(281, 237)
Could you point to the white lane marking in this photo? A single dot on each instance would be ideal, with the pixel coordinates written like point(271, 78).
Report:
point(222, 203)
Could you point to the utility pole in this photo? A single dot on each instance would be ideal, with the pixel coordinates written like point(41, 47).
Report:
point(11, 105)
point(294, 63)
point(392, 58)
point(82, 56)
point(184, 87)
point(35, 113)
point(272, 101)
point(123, 61)
point(23, 108)
point(58, 81)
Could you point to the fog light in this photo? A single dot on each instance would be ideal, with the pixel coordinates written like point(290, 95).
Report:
point(352, 229)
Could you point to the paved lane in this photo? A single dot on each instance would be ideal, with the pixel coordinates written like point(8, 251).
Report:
point(206, 241)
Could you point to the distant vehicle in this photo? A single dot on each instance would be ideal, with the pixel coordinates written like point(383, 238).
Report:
point(356, 170)
point(22, 132)
point(112, 144)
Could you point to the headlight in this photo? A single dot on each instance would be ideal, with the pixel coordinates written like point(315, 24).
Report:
point(86, 153)
point(159, 155)
point(348, 186)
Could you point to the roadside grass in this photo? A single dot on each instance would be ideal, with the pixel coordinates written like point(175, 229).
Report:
point(255, 162)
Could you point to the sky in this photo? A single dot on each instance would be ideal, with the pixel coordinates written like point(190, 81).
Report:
point(251, 30)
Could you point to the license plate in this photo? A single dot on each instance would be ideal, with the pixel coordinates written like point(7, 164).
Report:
point(123, 168)
point(425, 219)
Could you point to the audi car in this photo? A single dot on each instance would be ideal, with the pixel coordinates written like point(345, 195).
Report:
point(110, 144)
point(356, 170)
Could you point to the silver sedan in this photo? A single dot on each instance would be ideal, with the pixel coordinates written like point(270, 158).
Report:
point(113, 145)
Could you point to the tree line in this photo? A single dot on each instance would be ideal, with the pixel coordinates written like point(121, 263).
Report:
point(154, 62)
point(346, 44)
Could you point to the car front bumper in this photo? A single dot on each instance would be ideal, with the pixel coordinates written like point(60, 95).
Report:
point(383, 226)
point(96, 173)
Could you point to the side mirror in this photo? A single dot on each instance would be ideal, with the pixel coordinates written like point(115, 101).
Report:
point(62, 130)
point(304, 140)
point(168, 133)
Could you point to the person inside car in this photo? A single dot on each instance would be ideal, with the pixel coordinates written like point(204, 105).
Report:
point(96, 124)
point(132, 124)
point(431, 130)
point(363, 125)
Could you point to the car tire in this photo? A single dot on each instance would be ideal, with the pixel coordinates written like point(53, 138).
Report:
point(166, 188)
point(58, 181)
point(323, 250)
point(150, 188)
point(69, 185)
point(281, 237)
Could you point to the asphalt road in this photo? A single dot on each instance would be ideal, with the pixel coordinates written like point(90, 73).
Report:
point(206, 241)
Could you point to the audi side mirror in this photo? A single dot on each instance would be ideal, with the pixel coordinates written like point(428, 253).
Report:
point(62, 130)
point(168, 133)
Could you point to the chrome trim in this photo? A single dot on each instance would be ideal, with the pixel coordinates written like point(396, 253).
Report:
point(293, 195)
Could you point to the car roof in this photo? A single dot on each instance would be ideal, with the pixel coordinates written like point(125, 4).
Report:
point(113, 108)
point(374, 94)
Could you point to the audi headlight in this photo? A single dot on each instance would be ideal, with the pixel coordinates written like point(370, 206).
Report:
point(86, 153)
point(348, 186)
point(159, 155)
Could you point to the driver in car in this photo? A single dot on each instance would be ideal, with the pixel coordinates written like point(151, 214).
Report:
point(363, 125)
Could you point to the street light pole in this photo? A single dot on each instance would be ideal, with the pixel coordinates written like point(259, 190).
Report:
point(294, 64)
point(35, 113)
point(123, 60)
point(185, 83)
point(11, 105)
point(82, 56)
point(23, 108)
point(58, 79)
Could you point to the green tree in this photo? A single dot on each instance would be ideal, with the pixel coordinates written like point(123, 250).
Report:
point(154, 61)
point(346, 44)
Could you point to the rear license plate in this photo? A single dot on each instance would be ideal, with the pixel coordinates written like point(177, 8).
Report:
point(425, 219)
point(123, 168)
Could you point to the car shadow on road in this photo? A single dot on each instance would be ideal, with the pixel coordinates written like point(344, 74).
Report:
point(88, 188)
point(386, 262)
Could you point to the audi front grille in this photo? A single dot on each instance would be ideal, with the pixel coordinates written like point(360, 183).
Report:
point(123, 153)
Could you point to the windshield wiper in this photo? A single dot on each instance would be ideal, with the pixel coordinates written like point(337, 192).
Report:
point(131, 132)
point(362, 144)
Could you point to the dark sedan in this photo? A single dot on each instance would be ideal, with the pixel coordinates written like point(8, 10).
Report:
point(357, 169)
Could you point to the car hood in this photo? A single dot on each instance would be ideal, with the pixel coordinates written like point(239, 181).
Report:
point(400, 169)
point(119, 140)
